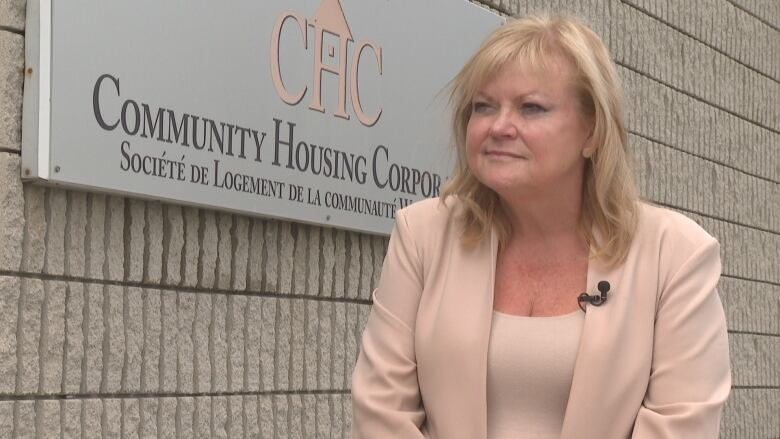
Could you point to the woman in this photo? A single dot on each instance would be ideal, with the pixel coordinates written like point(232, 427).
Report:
point(477, 328)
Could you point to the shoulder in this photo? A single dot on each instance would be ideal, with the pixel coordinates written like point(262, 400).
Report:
point(429, 212)
point(430, 225)
point(670, 241)
point(666, 226)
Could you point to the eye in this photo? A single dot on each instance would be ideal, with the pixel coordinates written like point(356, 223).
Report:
point(480, 107)
point(532, 108)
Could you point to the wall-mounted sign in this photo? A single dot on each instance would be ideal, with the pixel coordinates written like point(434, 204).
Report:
point(322, 111)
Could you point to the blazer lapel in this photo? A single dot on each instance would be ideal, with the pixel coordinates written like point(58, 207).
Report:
point(582, 409)
point(486, 326)
point(612, 359)
point(453, 329)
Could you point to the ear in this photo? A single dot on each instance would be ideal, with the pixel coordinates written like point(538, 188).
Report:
point(588, 148)
point(587, 152)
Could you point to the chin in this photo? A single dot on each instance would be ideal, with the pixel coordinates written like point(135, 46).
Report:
point(504, 187)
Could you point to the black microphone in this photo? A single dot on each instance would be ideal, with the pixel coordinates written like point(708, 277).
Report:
point(594, 300)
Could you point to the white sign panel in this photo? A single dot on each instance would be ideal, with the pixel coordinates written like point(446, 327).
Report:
point(323, 111)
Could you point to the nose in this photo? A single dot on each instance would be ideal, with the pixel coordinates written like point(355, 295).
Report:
point(503, 125)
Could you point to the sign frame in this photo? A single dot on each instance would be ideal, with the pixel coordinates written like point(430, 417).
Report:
point(38, 166)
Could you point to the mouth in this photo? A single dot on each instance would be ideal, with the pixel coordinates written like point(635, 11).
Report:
point(503, 155)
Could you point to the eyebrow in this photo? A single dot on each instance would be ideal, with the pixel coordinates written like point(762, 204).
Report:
point(532, 94)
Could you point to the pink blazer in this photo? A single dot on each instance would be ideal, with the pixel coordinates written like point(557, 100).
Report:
point(653, 361)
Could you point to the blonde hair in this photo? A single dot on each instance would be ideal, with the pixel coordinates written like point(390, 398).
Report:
point(609, 197)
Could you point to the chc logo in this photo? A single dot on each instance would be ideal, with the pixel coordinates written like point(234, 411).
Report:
point(329, 18)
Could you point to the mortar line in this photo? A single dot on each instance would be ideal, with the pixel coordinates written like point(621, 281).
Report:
point(733, 276)
point(715, 217)
point(693, 37)
point(177, 288)
point(756, 387)
point(762, 334)
point(754, 15)
point(498, 8)
point(12, 30)
point(708, 159)
point(125, 396)
point(695, 97)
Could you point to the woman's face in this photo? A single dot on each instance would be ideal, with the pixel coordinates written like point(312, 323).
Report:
point(526, 134)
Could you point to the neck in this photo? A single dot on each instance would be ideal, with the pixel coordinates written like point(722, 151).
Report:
point(554, 215)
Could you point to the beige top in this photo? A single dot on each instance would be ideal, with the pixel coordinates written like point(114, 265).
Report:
point(530, 367)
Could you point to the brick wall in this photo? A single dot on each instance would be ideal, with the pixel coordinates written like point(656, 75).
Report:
point(121, 317)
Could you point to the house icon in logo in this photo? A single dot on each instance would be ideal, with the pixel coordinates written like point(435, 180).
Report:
point(328, 18)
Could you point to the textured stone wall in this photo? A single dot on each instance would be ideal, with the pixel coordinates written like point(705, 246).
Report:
point(121, 317)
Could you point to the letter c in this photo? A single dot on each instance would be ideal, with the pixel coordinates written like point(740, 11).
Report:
point(96, 102)
point(366, 120)
point(379, 184)
point(276, 73)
